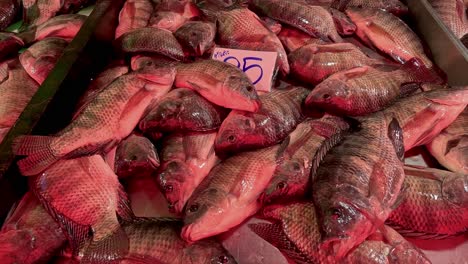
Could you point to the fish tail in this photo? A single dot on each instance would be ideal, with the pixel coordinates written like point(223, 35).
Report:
point(112, 247)
point(40, 155)
point(420, 73)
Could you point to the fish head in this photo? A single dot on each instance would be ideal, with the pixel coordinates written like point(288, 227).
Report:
point(236, 129)
point(332, 95)
point(289, 181)
point(198, 36)
point(157, 78)
point(205, 214)
point(343, 227)
point(175, 181)
point(455, 189)
point(210, 252)
point(238, 88)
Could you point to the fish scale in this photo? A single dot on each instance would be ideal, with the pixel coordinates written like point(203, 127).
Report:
point(453, 14)
point(39, 11)
point(134, 14)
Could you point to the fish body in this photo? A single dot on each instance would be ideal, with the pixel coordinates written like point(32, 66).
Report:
point(85, 194)
point(229, 194)
point(454, 15)
point(388, 34)
point(36, 12)
point(450, 147)
point(292, 38)
point(136, 156)
point(10, 44)
point(358, 182)
point(307, 145)
point(171, 15)
point(344, 25)
point(183, 110)
point(313, 20)
point(395, 7)
point(279, 114)
point(151, 40)
point(8, 10)
point(220, 83)
point(134, 14)
point(186, 161)
point(101, 124)
point(196, 36)
point(29, 234)
point(423, 116)
point(157, 240)
point(434, 204)
point(313, 63)
point(39, 59)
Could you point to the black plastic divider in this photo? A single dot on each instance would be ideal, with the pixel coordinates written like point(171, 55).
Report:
point(52, 107)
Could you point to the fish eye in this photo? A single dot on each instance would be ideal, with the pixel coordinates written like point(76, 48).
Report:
point(335, 213)
point(193, 208)
point(326, 96)
point(134, 157)
point(281, 185)
point(168, 188)
point(296, 166)
point(223, 259)
point(249, 88)
point(231, 138)
point(148, 63)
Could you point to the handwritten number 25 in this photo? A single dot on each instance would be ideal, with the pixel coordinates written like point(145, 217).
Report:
point(246, 67)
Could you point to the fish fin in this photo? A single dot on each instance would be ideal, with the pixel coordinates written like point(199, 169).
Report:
point(355, 72)
point(112, 247)
point(124, 211)
point(40, 155)
point(156, 220)
point(405, 232)
point(407, 89)
point(395, 134)
point(196, 87)
point(416, 171)
point(283, 148)
point(322, 151)
point(401, 196)
point(273, 233)
point(418, 72)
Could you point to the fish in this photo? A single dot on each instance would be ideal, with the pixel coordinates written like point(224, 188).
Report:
point(29, 234)
point(10, 44)
point(171, 15)
point(388, 34)
point(434, 204)
point(196, 36)
point(138, 62)
point(279, 114)
point(8, 11)
point(240, 28)
point(306, 147)
point(344, 25)
point(450, 147)
point(183, 110)
point(136, 156)
point(157, 240)
point(110, 117)
point(61, 26)
point(273, 25)
point(313, 20)
point(134, 14)
point(292, 39)
point(36, 12)
point(186, 161)
point(220, 83)
point(229, 194)
point(366, 89)
point(40, 58)
point(84, 195)
point(312, 63)
point(395, 7)
point(424, 115)
point(152, 40)
point(454, 15)
point(358, 183)
point(72, 6)
point(16, 90)
point(296, 233)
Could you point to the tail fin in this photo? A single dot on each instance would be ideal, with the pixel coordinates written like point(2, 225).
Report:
point(421, 74)
point(40, 155)
point(112, 247)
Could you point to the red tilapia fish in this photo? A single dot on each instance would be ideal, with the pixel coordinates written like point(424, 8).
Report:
point(358, 183)
point(138, 62)
point(293, 39)
point(101, 124)
point(220, 83)
point(183, 110)
point(10, 44)
point(134, 14)
point(454, 15)
point(296, 233)
point(171, 15)
point(84, 195)
point(36, 12)
point(273, 25)
point(136, 156)
point(196, 36)
point(343, 24)
point(157, 240)
point(450, 147)
point(423, 116)
point(393, 6)
point(279, 114)
point(29, 234)
point(389, 34)
point(16, 90)
point(435, 204)
point(365, 89)
point(313, 20)
point(8, 10)
point(39, 59)
point(312, 63)
point(152, 40)
point(186, 161)
point(304, 148)
point(240, 28)
point(229, 194)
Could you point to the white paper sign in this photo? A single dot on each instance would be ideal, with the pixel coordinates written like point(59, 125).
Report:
point(257, 65)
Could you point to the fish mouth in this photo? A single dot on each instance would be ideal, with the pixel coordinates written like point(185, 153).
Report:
point(191, 234)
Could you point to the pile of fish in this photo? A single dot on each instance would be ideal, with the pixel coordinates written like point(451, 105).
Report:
point(320, 157)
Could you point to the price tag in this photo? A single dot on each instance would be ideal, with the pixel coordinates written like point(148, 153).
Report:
point(259, 66)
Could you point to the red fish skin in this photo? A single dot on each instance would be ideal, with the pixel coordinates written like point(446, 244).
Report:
point(134, 14)
point(10, 44)
point(196, 36)
point(36, 12)
point(292, 38)
point(454, 15)
point(171, 15)
point(8, 10)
